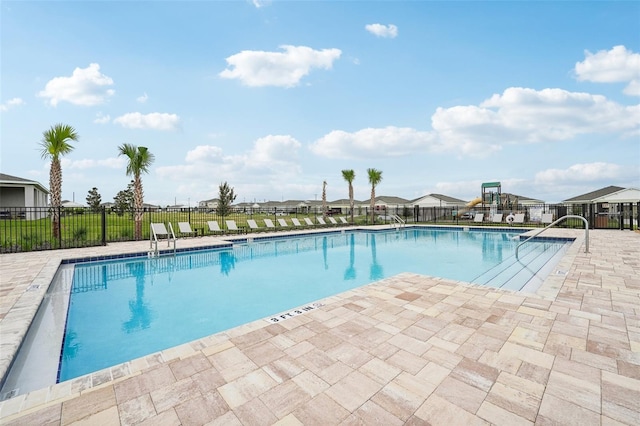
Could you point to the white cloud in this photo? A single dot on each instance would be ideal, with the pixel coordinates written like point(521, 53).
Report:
point(84, 164)
point(521, 115)
point(271, 162)
point(380, 30)
point(86, 87)
point(102, 119)
point(282, 69)
point(517, 116)
point(142, 99)
point(580, 173)
point(11, 103)
point(154, 120)
point(611, 66)
point(374, 143)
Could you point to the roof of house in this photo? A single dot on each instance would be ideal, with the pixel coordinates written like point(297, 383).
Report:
point(627, 195)
point(445, 198)
point(391, 200)
point(590, 196)
point(8, 179)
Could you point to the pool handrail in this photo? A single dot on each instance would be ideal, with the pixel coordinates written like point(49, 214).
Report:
point(569, 216)
point(159, 229)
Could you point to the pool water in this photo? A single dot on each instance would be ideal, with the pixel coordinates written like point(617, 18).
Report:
point(125, 309)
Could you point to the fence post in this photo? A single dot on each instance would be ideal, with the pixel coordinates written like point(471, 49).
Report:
point(104, 226)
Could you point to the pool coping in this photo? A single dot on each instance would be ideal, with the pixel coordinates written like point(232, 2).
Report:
point(548, 290)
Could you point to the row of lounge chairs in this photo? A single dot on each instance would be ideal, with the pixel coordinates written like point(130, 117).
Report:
point(512, 219)
point(185, 230)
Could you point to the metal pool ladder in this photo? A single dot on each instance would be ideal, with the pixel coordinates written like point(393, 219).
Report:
point(159, 230)
point(397, 220)
point(569, 216)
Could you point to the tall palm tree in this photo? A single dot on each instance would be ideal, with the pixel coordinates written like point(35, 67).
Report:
point(375, 176)
point(56, 143)
point(349, 175)
point(140, 159)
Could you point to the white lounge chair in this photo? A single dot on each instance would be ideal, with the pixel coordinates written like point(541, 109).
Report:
point(343, 220)
point(159, 231)
point(308, 222)
point(283, 223)
point(547, 218)
point(321, 221)
point(296, 222)
point(253, 225)
point(214, 228)
point(233, 227)
point(479, 218)
point(518, 218)
point(332, 221)
point(184, 228)
point(269, 224)
point(497, 218)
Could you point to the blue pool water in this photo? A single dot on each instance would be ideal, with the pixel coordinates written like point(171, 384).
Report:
point(121, 310)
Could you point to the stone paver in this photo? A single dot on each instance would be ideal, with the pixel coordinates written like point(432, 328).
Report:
point(405, 350)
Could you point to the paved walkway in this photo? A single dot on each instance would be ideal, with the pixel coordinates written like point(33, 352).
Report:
point(405, 350)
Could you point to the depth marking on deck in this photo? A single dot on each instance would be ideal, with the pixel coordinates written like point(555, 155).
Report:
point(286, 315)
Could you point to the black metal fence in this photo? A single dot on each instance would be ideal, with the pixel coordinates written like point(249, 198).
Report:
point(29, 229)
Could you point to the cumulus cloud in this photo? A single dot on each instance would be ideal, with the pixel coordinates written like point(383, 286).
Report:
point(517, 116)
point(86, 87)
point(281, 69)
point(380, 30)
point(588, 172)
point(11, 103)
point(273, 160)
point(521, 115)
point(260, 3)
point(102, 119)
point(374, 143)
point(84, 164)
point(611, 66)
point(154, 120)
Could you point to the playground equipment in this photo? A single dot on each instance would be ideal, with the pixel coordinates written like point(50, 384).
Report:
point(491, 196)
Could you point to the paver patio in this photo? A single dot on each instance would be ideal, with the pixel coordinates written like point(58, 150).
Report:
point(409, 349)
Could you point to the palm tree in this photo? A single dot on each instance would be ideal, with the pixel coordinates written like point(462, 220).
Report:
point(140, 159)
point(375, 176)
point(349, 175)
point(55, 144)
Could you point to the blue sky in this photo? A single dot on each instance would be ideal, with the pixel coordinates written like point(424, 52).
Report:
point(275, 97)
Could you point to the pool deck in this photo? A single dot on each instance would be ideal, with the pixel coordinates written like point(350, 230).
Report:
point(409, 349)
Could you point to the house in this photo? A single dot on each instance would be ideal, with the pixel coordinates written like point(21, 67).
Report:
point(208, 204)
point(602, 205)
point(437, 200)
point(27, 198)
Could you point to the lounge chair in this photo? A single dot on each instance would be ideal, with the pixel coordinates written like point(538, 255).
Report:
point(518, 218)
point(184, 229)
point(283, 223)
point(332, 221)
point(497, 218)
point(253, 225)
point(308, 222)
point(321, 221)
point(343, 220)
point(269, 224)
point(232, 227)
point(159, 231)
point(479, 218)
point(296, 222)
point(547, 218)
point(214, 228)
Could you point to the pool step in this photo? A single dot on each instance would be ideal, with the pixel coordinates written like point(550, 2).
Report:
point(514, 274)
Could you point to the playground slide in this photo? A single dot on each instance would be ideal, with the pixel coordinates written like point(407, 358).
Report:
point(474, 202)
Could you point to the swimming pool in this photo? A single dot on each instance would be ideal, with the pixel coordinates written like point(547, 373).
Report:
point(121, 310)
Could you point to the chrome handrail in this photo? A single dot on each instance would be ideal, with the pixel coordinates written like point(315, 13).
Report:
point(586, 231)
point(397, 219)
